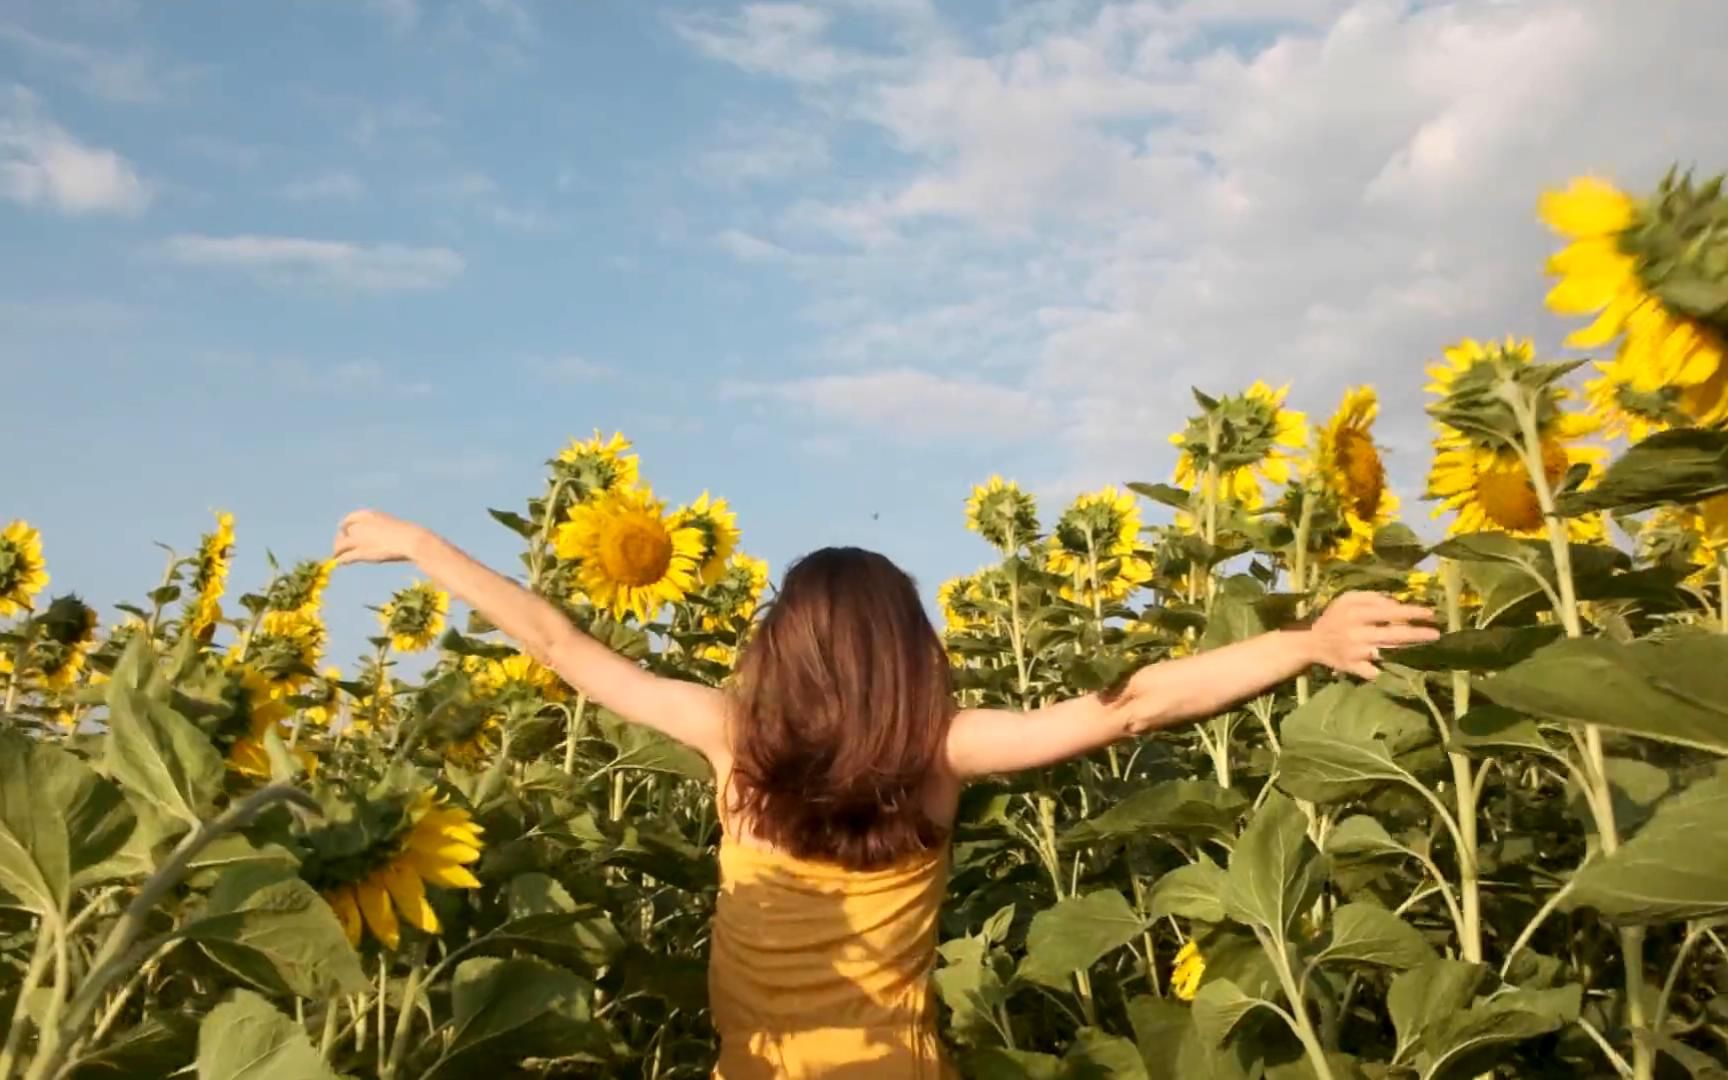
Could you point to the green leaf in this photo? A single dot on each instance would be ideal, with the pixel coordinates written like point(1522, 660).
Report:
point(1673, 689)
point(970, 989)
point(1491, 649)
point(583, 938)
point(1698, 1064)
point(244, 1038)
point(1220, 1007)
point(1343, 743)
point(60, 824)
point(1189, 892)
point(1490, 729)
point(1365, 934)
point(1465, 1044)
point(1680, 466)
point(1075, 934)
point(1669, 871)
point(1399, 545)
point(640, 748)
point(161, 1044)
point(1097, 1055)
point(161, 755)
point(1422, 997)
point(277, 934)
point(996, 1063)
point(1361, 837)
point(1191, 808)
point(1171, 1046)
point(507, 1010)
point(1275, 873)
point(515, 522)
point(1168, 494)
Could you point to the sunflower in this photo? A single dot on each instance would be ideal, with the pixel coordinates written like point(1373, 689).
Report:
point(1002, 514)
point(1627, 412)
point(958, 598)
point(1351, 467)
point(300, 589)
point(719, 528)
point(1187, 971)
point(1490, 489)
point(210, 576)
point(414, 617)
point(1254, 433)
point(733, 601)
point(1603, 273)
point(633, 557)
point(284, 649)
point(1479, 473)
point(517, 674)
point(260, 708)
point(23, 573)
point(1093, 548)
point(597, 465)
point(1697, 534)
point(68, 628)
point(325, 695)
point(434, 845)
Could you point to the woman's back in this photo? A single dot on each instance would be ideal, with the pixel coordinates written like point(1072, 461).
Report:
point(821, 971)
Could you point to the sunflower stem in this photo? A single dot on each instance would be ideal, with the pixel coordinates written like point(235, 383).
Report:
point(573, 732)
point(405, 1014)
point(1464, 784)
point(1299, 574)
point(1722, 591)
point(1559, 543)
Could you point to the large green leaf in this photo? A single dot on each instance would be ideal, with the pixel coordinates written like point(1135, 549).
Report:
point(60, 824)
point(277, 934)
point(1674, 868)
point(996, 1063)
point(1192, 808)
point(1422, 997)
point(1075, 934)
point(507, 1010)
point(1674, 689)
point(1489, 649)
point(1365, 934)
point(1189, 892)
point(1275, 871)
point(245, 1038)
point(160, 1044)
point(161, 755)
point(1359, 838)
point(1097, 1055)
point(971, 990)
point(1490, 729)
point(1220, 1007)
point(1345, 742)
point(1465, 1044)
point(1679, 466)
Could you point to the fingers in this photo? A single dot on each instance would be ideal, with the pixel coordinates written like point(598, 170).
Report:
point(1393, 636)
point(1363, 669)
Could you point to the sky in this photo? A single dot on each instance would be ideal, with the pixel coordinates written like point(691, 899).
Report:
point(835, 261)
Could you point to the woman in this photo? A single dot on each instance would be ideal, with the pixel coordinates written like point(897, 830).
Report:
point(839, 756)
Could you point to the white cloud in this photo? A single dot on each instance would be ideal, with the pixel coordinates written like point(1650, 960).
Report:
point(747, 248)
point(334, 186)
point(914, 404)
point(754, 153)
point(42, 164)
point(1103, 205)
point(568, 368)
point(133, 77)
point(365, 267)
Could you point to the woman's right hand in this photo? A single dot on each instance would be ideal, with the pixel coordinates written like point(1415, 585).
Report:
point(371, 536)
point(1354, 628)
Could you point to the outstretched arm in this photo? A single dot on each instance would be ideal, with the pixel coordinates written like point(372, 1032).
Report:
point(1348, 637)
point(691, 713)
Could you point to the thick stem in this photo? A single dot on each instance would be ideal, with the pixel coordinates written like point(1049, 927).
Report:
point(111, 960)
point(1299, 572)
point(573, 732)
point(40, 957)
point(1298, 1015)
point(405, 1015)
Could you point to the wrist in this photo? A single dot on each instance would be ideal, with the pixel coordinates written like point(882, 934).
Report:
point(419, 541)
point(1304, 646)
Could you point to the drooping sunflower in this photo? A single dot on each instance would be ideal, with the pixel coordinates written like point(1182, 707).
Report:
point(284, 649)
point(518, 674)
point(633, 557)
point(300, 589)
point(258, 708)
point(414, 617)
point(324, 704)
point(732, 604)
point(210, 576)
point(1477, 472)
point(598, 465)
point(1696, 534)
point(719, 528)
point(1187, 971)
point(68, 628)
point(23, 572)
point(1623, 258)
point(1625, 412)
point(430, 843)
point(1093, 548)
point(1255, 433)
point(1351, 467)
point(1002, 514)
point(958, 598)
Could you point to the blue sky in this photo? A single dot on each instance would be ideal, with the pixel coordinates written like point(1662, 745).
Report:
point(834, 261)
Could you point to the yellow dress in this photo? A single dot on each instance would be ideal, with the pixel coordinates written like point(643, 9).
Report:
point(820, 971)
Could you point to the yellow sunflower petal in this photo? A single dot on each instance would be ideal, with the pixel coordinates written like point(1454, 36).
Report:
point(380, 916)
point(410, 897)
point(341, 901)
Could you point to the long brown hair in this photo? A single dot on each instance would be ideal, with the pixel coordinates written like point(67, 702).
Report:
point(841, 706)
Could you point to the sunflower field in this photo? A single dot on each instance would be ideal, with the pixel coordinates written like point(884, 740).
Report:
point(1506, 856)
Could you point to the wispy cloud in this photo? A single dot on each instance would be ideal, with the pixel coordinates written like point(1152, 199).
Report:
point(133, 76)
point(344, 264)
point(914, 404)
point(42, 164)
point(568, 368)
point(481, 195)
point(333, 186)
point(748, 248)
point(747, 154)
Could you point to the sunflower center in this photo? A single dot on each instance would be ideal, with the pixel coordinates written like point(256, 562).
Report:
point(1506, 494)
point(635, 549)
point(1363, 472)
